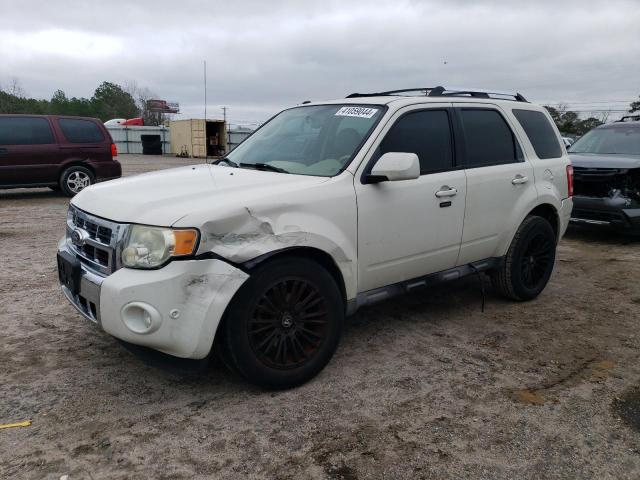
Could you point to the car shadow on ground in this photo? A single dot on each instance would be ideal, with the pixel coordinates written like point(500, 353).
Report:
point(436, 302)
point(30, 194)
point(591, 234)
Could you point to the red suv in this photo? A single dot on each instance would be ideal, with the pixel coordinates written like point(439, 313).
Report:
point(63, 153)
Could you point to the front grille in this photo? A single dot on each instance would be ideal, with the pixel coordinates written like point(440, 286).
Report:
point(598, 182)
point(96, 254)
point(98, 249)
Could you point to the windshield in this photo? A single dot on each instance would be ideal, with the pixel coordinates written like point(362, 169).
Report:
point(316, 140)
point(622, 140)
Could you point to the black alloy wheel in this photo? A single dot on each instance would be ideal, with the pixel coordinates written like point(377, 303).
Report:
point(288, 324)
point(528, 264)
point(284, 324)
point(536, 259)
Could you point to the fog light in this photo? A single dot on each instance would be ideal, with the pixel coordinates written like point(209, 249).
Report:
point(140, 317)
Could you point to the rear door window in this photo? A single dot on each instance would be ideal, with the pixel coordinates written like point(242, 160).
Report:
point(427, 133)
point(488, 138)
point(25, 131)
point(540, 133)
point(81, 131)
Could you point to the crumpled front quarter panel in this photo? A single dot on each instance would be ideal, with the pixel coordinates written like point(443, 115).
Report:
point(322, 216)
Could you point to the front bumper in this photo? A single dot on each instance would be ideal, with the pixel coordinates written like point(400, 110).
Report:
point(175, 309)
point(618, 212)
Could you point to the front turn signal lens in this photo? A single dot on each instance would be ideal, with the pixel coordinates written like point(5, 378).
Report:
point(185, 241)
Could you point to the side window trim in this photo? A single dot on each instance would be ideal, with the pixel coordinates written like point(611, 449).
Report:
point(452, 130)
point(519, 151)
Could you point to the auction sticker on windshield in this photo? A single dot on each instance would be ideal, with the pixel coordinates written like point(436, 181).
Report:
point(361, 112)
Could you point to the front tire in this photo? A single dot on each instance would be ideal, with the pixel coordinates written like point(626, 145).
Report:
point(75, 179)
point(529, 261)
point(284, 324)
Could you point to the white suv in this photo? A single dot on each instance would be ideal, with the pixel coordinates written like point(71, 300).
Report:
point(326, 208)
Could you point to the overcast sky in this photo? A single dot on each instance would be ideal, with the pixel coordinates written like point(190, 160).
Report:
point(265, 55)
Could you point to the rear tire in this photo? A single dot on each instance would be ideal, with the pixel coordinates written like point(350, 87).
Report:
point(284, 324)
point(529, 262)
point(75, 179)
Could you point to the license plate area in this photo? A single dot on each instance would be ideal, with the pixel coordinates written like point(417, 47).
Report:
point(69, 272)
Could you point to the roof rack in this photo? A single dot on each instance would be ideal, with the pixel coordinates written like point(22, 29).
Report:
point(630, 118)
point(446, 92)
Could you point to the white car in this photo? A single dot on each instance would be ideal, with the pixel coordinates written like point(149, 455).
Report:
point(326, 208)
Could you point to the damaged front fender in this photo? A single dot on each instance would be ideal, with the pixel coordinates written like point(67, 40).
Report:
point(248, 233)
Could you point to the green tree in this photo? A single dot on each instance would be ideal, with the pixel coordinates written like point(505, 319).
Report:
point(569, 122)
point(583, 126)
point(111, 101)
point(635, 106)
point(59, 104)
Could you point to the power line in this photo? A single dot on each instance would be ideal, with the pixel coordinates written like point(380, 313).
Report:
point(599, 111)
point(590, 103)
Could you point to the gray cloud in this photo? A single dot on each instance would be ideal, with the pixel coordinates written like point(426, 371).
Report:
point(262, 56)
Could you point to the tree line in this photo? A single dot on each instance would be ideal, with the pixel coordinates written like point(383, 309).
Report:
point(569, 122)
point(109, 100)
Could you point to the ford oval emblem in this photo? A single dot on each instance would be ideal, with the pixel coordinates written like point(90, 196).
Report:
point(78, 237)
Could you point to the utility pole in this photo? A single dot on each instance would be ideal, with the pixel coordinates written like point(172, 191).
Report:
point(205, 90)
point(206, 140)
point(226, 130)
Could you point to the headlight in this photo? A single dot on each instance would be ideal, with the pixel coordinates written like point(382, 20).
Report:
point(150, 247)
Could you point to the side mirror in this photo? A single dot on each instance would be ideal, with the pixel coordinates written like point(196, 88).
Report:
point(395, 166)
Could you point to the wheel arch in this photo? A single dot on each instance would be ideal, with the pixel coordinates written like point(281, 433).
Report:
point(549, 213)
point(317, 255)
point(542, 209)
point(76, 162)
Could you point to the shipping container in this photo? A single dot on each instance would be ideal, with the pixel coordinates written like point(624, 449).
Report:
point(129, 139)
point(236, 136)
point(198, 138)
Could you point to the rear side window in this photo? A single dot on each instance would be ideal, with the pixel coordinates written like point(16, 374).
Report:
point(80, 131)
point(427, 134)
point(540, 132)
point(488, 138)
point(25, 131)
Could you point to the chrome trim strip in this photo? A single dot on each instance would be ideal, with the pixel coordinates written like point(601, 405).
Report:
point(77, 306)
point(592, 222)
point(90, 285)
point(112, 249)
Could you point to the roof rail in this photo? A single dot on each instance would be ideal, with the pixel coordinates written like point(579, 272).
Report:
point(440, 91)
point(630, 118)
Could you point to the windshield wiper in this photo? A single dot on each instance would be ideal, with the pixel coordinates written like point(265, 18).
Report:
point(227, 161)
point(264, 166)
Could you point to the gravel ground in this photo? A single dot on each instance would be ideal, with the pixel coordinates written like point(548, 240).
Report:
point(425, 386)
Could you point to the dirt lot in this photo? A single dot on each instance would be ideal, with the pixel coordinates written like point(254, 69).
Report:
point(424, 386)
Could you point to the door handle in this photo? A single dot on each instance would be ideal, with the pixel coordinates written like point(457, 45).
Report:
point(519, 179)
point(446, 191)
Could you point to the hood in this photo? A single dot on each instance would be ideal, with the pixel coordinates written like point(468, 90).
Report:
point(162, 198)
point(598, 160)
